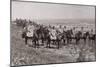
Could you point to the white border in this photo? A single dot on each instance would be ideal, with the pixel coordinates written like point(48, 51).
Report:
point(5, 33)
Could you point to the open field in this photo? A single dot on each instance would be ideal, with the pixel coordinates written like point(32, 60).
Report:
point(22, 54)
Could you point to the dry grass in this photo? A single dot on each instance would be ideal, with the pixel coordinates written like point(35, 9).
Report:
point(22, 54)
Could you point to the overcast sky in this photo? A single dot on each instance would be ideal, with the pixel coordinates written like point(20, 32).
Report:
point(32, 10)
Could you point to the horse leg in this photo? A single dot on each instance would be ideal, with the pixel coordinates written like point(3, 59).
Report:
point(58, 44)
point(84, 40)
point(70, 40)
point(92, 42)
point(67, 41)
point(42, 41)
point(49, 43)
point(76, 41)
point(64, 41)
point(35, 43)
point(26, 38)
point(38, 43)
point(54, 42)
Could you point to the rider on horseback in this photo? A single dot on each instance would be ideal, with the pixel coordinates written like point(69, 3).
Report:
point(29, 30)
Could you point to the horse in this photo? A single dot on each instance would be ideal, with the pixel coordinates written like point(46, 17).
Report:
point(46, 36)
point(30, 35)
point(53, 36)
point(39, 34)
point(68, 36)
point(78, 36)
point(60, 37)
point(85, 36)
point(92, 38)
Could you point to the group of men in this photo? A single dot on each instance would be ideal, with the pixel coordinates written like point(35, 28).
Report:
point(54, 31)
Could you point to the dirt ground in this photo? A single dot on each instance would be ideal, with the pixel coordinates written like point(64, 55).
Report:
point(22, 54)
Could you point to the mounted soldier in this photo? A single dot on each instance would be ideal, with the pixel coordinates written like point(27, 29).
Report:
point(28, 31)
point(53, 34)
point(92, 36)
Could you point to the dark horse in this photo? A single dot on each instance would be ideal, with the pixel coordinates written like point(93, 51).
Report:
point(60, 37)
point(92, 38)
point(78, 36)
point(43, 35)
point(85, 36)
point(68, 35)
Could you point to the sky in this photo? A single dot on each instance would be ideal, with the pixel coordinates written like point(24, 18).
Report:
point(41, 11)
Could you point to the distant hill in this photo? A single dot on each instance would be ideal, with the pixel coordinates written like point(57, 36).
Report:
point(66, 21)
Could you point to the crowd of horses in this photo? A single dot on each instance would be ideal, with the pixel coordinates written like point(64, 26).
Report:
point(48, 35)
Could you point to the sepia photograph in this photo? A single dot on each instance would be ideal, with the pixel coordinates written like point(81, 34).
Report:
point(51, 33)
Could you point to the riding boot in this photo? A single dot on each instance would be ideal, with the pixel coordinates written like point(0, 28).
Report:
point(49, 45)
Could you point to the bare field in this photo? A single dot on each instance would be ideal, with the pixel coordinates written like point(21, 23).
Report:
point(22, 54)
